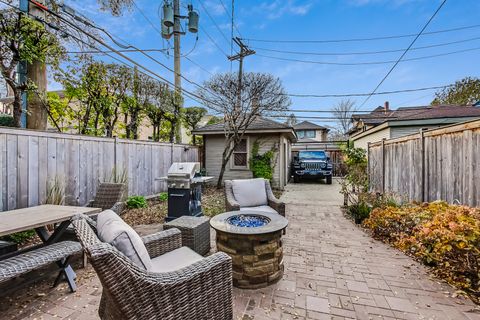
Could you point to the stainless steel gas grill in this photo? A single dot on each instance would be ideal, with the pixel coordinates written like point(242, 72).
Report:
point(184, 190)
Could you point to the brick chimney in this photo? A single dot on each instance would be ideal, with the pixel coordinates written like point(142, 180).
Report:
point(386, 106)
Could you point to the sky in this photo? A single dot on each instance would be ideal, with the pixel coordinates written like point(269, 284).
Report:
point(307, 20)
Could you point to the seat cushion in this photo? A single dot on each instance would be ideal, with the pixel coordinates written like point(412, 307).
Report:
point(175, 260)
point(113, 230)
point(250, 192)
point(259, 208)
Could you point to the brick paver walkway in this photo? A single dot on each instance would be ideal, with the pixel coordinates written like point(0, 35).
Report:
point(333, 270)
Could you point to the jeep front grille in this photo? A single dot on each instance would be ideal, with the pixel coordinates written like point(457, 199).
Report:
point(314, 165)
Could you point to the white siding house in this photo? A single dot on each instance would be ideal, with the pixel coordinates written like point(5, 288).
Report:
point(269, 134)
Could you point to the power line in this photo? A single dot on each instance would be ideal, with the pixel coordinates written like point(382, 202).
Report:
point(230, 15)
point(341, 95)
point(213, 41)
point(121, 50)
point(405, 52)
point(120, 54)
point(142, 52)
point(362, 39)
point(365, 52)
point(370, 62)
point(214, 22)
point(198, 65)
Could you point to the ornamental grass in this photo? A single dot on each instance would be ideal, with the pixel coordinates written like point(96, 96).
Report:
point(445, 237)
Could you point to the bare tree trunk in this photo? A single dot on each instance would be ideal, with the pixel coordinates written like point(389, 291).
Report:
point(17, 108)
point(227, 153)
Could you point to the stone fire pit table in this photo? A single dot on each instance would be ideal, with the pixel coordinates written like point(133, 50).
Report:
point(253, 240)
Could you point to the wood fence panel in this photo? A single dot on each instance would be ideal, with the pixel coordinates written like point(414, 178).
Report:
point(438, 164)
point(31, 160)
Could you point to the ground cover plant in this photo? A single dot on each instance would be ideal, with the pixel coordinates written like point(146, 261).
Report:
point(442, 236)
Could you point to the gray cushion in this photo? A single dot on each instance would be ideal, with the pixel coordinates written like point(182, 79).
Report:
point(175, 260)
point(250, 192)
point(260, 209)
point(112, 229)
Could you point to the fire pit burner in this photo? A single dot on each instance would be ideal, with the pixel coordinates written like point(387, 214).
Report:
point(248, 220)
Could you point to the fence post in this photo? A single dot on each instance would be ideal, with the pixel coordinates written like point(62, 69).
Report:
point(422, 154)
point(115, 153)
point(171, 153)
point(368, 166)
point(383, 166)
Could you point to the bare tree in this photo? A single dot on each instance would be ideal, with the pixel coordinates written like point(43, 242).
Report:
point(343, 113)
point(292, 120)
point(260, 95)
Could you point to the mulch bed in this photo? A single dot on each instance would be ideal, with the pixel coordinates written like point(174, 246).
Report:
point(213, 203)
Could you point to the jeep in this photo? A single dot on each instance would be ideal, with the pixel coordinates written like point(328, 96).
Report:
point(312, 164)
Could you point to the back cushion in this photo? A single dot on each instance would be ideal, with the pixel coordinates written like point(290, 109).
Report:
point(113, 230)
point(250, 192)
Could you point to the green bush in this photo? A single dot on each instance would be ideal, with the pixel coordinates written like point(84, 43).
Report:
point(20, 237)
point(163, 196)
point(261, 164)
point(359, 211)
point(6, 120)
point(134, 202)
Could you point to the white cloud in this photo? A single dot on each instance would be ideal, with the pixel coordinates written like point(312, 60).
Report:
point(395, 3)
point(214, 7)
point(279, 8)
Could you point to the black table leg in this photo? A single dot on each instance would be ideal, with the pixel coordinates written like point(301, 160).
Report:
point(65, 269)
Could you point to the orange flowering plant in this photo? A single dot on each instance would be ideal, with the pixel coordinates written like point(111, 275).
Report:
point(445, 237)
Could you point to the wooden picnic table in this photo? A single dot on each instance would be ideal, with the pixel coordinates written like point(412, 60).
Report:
point(37, 218)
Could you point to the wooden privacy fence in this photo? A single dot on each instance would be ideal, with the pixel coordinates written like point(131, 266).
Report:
point(30, 160)
point(438, 164)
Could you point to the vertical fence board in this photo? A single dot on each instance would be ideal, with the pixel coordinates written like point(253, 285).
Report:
point(30, 160)
point(3, 172)
point(450, 170)
point(33, 170)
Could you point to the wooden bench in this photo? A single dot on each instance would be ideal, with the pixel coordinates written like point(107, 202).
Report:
point(25, 262)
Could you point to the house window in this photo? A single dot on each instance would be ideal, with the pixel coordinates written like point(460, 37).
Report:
point(306, 134)
point(240, 155)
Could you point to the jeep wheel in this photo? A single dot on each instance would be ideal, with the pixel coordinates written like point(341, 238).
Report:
point(329, 179)
point(296, 179)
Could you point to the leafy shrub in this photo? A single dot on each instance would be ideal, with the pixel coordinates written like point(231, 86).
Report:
point(261, 164)
point(134, 202)
point(6, 120)
point(163, 196)
point(446, 237)
point(359, 211)
point(20, 237)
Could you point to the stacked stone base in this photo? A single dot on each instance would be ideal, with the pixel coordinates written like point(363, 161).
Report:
point(257, 258)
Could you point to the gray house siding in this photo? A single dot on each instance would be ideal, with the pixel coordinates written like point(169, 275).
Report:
point(215, 144)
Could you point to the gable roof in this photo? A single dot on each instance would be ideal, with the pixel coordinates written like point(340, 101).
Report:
point(379, 115)
point(307, 125)
point(259, 124)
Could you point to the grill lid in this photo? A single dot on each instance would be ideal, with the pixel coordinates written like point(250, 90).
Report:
point(183, 170)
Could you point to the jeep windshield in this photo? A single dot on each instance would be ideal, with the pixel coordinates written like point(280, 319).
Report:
point(312, 155)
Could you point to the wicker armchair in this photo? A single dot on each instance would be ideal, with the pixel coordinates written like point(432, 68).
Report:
point(232, 204)
point(202, 290)
point(109, 196)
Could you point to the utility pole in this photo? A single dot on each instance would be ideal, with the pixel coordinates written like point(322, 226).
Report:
point(244, 52)
point(37, 116)
point(176, 45)
point(176, 62)
point(171, 25)
point(22, 72)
